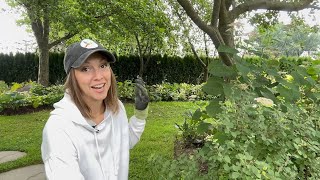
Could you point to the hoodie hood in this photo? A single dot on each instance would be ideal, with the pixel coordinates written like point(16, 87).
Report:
point(67, 109)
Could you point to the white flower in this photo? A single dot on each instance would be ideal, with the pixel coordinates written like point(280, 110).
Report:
point(264, 101)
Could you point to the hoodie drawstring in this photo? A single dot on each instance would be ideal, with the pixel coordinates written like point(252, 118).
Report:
point(112, 151)
point(97, 145)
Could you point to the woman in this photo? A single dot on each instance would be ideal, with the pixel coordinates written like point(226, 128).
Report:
point(87, 135)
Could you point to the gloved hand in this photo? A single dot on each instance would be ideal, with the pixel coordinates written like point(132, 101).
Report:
point(141, 99)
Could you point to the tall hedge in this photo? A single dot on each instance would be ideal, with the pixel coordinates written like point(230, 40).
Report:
point(24, 67)
point(19, 67)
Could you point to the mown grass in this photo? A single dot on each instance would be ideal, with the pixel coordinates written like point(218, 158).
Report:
point(23, 133)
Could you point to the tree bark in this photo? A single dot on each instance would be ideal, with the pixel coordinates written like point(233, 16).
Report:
point(141, 69)
point(212, 31)
point(41, 27)
point(221, 29)
point(43, 72)
point(41, 32)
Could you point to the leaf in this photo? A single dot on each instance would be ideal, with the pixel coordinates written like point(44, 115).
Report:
point(298, 78)
point(221, 137)
point(227, 49)
point(265, 92)
point(217, 68)
point(214, 86)
point(272, 72)
point(227, 159)
point(289, 94)
point(255, 171)
point(227, 90)
point(213, 108)
point(243, 69)
point(203, 127)
point(235, 175)
point(197, 115)
point(15, 86)
point(260, 81)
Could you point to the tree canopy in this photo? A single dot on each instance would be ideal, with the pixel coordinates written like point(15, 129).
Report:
point(217, 17)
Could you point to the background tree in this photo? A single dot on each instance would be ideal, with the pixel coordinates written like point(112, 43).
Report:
point(223, 14)
point(131, 27)
point(135, 27)
point(193, 40)
point(286, 40)
point(40, 15)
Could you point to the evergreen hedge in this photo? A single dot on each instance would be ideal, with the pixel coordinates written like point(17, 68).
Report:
point(24, 67)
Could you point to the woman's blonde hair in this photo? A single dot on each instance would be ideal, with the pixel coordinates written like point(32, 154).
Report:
point(73, 89)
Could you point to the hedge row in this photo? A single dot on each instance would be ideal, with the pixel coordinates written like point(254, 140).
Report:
point(24, 67)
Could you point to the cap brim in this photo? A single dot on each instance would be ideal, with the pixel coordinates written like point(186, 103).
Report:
point(110, 57)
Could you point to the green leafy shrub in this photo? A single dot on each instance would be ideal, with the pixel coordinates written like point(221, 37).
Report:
point(37, 95)
point(126, 90)
point(259, 125)
point(12, 100)
point(3, 86)
point(177, 92)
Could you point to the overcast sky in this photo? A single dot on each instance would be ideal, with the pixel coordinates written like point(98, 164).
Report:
point(13, 38)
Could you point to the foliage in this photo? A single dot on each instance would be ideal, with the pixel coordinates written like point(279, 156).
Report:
point(3, 86)
point(218, 18)
point(172, 69)
point(262, 124)
point(38, 95)
point(293, 39)
point(191, 132)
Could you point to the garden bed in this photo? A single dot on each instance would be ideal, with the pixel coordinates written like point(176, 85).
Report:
point(24, 110)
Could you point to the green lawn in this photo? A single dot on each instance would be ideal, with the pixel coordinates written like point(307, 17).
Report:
point(23, 133)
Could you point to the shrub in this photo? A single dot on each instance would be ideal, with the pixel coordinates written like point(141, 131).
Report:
point(260, 125)
point(36, 95)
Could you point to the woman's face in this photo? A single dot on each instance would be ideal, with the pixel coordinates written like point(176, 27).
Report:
point(94, 78)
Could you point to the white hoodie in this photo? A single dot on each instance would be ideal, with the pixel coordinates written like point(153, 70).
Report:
point(72, 149)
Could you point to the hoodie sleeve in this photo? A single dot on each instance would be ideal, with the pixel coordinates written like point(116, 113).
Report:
point(59, 154)
point(136, 128)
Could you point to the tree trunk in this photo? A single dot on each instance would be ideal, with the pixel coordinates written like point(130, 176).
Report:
point(40, 27)
point(40, 24)
point(141, 69)
point(205, 74)
point(43, 72)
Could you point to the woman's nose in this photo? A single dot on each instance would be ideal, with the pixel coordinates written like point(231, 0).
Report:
point(98, 74)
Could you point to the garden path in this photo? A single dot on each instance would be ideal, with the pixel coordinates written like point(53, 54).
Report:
point(34, 172)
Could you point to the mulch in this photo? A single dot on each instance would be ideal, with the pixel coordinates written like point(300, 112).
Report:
point(24, 110)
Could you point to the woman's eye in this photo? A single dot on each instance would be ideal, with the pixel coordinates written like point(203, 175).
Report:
point(85, 69)
point(104, 65)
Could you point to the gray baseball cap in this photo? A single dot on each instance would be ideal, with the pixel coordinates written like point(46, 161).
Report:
point(77, 53)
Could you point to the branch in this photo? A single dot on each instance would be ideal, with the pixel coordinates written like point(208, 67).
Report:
point(46, 23)
point(189, 40)
point(66, 37)
point(268, 5)
point(194, 15)
point(215, 13)
point(213, 32)
point(195, 53)
point(138, 43)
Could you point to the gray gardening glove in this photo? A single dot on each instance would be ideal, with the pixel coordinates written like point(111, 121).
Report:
point(141, 99)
